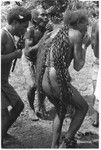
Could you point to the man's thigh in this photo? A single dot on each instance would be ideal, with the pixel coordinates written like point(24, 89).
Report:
point(9, 96)
point(4, 101)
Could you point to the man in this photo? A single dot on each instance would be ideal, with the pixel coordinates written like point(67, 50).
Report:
point(53, 79)
point(38, 26)
point(11, 104)
point(95, 66)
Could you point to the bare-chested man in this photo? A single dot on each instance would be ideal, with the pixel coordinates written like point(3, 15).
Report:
point(38, 26)
point(53, 78)
point(11, 104)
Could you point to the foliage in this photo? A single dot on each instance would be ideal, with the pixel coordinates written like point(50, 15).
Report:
point(58, 8)
point(92, 7)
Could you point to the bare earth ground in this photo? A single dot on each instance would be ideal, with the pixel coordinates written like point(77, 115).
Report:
point(31, 134)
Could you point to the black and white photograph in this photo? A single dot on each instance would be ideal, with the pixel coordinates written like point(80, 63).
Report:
point(50, 74)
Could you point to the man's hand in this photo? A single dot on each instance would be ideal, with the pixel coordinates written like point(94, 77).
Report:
point(21, 43)
point(28, 43)
point(19, 53)
point(86, 41)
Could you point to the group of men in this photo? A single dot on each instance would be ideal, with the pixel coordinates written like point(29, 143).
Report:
point(19, 21)
point(32, 26)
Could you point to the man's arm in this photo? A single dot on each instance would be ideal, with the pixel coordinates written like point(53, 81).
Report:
point(32, 51)
point(79, 52)
point(8, 57)
point(79, 56)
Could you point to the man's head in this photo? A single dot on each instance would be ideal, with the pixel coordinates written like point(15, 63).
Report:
point(78, 20)
point(39, 17)
point(18, 18)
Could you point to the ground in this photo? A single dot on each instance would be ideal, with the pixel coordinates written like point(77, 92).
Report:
point(31, 134)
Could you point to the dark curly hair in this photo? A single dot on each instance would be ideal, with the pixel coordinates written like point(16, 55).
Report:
point(73, 18)
point(19, 14)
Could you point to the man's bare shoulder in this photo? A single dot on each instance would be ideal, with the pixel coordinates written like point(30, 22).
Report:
point(75, 36)
point(4, 37)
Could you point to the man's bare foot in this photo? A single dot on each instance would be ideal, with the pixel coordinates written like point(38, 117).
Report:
point(68, 143)
point(95, 124)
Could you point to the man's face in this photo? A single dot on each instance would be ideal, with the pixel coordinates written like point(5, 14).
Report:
point(21, 28)
point(42, 19)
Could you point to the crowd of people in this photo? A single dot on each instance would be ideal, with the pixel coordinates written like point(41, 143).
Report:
point(46, 69)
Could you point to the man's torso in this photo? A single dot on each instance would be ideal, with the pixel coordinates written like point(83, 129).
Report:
point(6, 66)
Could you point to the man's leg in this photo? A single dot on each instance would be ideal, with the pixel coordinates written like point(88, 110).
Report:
point(15, 112)
point(31, 97)
point(96, 119)
point(8, 118)
point(5, 119)
point(81, 108)
point(41, 113)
